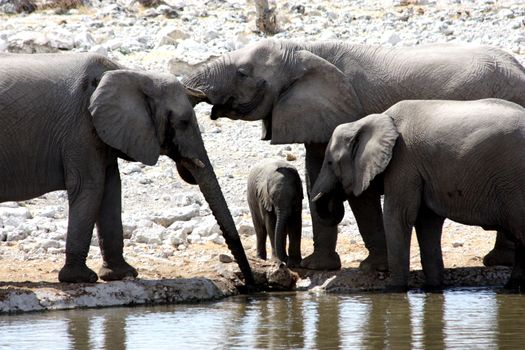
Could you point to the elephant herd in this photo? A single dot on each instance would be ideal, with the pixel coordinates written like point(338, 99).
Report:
point(438, 129)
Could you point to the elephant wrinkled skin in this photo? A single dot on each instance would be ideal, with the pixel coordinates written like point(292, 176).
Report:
point(462, 160)
point(302, 91)
point(66, 118)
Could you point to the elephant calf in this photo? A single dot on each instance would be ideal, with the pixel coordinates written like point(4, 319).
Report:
point(275, 195)
point(437, 159)
point(64, 121)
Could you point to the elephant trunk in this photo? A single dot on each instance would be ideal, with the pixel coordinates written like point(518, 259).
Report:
point(283, 216)
point(327, 198)
point(211, 79)
point(209, 186)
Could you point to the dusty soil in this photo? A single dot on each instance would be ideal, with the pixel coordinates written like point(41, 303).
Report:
point(462, 246)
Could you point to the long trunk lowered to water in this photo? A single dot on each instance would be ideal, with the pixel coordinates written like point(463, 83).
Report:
point(209, 186)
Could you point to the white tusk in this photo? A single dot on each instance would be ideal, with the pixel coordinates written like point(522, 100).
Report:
point(319, 195)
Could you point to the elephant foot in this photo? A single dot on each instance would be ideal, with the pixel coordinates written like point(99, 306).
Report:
point(293, 262)
point(499, 257)
point(374, 262)
point(77, 274)
point(322, 261)
point(516, 284)
point(117, 271)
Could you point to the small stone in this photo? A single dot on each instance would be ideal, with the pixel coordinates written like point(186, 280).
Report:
point(290, 157)
point(225, 258)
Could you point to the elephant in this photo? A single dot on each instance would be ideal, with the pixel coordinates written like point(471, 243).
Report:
point(302, 90)
point(275, 198)
point(434, 159)
point(66, 119)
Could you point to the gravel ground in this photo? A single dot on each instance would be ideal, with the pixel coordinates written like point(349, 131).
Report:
point(170, 232)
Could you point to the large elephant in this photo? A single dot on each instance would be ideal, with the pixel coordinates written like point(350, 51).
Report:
point(462, 160)
point(66, 118)
point(275, 198)
point(302, 91)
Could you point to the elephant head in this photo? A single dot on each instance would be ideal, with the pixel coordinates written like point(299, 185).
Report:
point(357, 152)
point(144, 115)
point(281, 84)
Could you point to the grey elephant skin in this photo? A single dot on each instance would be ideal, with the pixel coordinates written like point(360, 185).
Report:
point(302, 91)
point(66, 118)
point(462, 160)
point(275, 198)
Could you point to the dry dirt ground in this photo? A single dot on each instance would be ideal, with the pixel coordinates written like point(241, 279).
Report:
point(462, 246)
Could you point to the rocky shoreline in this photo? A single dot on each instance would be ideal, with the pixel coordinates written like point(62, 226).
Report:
point(170, 234)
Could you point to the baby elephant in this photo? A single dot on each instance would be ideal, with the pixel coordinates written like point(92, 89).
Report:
point(437, 159)
point(275, 195)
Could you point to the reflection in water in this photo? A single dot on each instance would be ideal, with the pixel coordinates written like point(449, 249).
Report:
point(454, 319)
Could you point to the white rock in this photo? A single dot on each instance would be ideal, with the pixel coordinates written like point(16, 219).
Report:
point(176, 238)
point(49, 212)
point(171, 36)
point(49, 243)
point(9, 205)
point(15, 234)
point(100, 49)
point(131, 168)
point(194, 238)
point(84, 40)
point(3, 45)
point(207, 227)
point(391, 38)
point(151, 235)
point(216, 238)
point(128, 227)
point(169, 216)
point(506, 13)
point(18, 212)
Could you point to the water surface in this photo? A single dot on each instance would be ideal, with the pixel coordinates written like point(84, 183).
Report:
point(455, 319)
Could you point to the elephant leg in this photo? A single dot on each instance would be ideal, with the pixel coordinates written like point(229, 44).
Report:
point(503, 252)
point(260, 234)
point(369, 218)
point(294, 240)
point(399, 218)
point(517, 277)
point(84, 203)
point(269, 222)
point(110, 232)
point(428, 230)
point(324, 256)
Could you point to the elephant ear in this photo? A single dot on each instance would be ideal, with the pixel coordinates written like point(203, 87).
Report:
point(122, 114)
point(371, 149)
point(319, 98)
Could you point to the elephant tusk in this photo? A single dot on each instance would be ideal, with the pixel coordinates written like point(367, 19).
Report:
point(319, 195)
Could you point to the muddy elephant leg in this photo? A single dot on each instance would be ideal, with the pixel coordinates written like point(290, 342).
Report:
point(84, 202)
point(428, 230)
point(517, 277)
point(110, 232)
point(502, 253)
point(369, 218)
point(324, 256)
point(294, 240)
